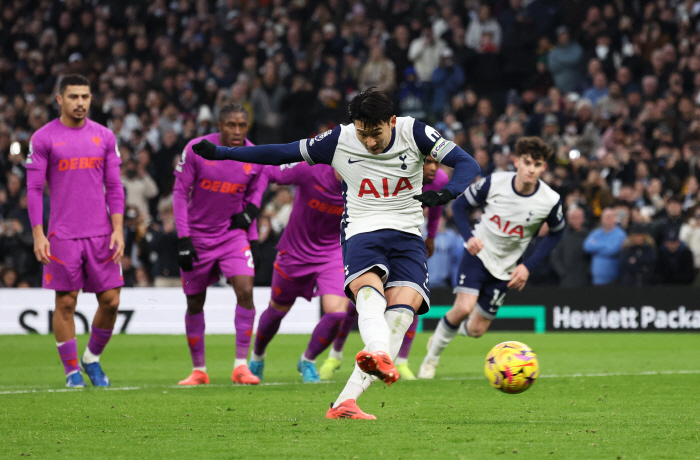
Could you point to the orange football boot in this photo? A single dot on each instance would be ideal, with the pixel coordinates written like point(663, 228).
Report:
point(379, 364)
point(242, 375)
point(195, 378)
point(348, 409)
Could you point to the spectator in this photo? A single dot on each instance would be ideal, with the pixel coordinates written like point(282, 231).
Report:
point(599, 90)
point(139, 186)
point(690, 235)
point(672, 220)
point(378, 71)
point(483, 24)
point(604, 244)
point(568, 259)
point(161, 245)
point(447, 80)
point(424, 53)
point(444, 263)
point(268, 239)
point(267, 102)
point(564, 61)
point(638, 258)
point(675, 260)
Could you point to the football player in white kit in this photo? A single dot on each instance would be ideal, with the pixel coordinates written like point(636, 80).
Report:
point(515, 207)
point(380, 158)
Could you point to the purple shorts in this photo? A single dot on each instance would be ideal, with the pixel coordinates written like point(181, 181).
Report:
point(294, 278)
point(227, 255)
point(83, 263)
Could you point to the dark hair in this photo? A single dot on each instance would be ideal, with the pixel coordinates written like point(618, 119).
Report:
point(533, 146)
point(371, 108)
point(233, 108)
point(72, 80)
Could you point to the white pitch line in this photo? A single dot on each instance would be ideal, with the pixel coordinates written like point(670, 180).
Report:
point(180, 387)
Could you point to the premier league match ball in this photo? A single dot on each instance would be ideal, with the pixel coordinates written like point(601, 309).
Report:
point(511, 367)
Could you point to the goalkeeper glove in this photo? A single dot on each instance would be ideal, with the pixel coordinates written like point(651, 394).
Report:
point(244, 218)
point(205, 149)
point(186, 253)
point(432, 198)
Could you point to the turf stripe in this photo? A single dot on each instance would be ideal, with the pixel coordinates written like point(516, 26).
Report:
point(180, 387)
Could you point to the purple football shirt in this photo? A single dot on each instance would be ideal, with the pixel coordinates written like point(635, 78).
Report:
point(434, 214)
point(207, 193)
point(81, 167)
point(313, 232)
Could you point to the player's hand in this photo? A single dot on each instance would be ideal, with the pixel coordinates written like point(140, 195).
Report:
point(186, 253)
point(518, 279)
point(42, 247)
point(255, 250)
point(116, 242)
point(432, 198)
point(430, 246)
point(474, 245)
point(205, 149)
point(244, 218)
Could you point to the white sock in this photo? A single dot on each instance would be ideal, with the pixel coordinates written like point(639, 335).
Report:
point(400, 361)
point(336, 354)
point(239, 362)
point(398, 320)
point(72, 372)
point(254, 357)
point(370, 320)
point(201, 369)
point(357, 384)
point(444, 334)
point(58, 344)
point(304, 358)
point(89, 357)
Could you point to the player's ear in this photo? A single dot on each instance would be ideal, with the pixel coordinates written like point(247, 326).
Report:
point(392, 122)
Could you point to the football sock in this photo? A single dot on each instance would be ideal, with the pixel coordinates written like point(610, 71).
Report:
point(345, 328)
point(194, 327)
point(243, 322)
point(444, 333)
point(68, 352)
point(335, 354)
point(399, 318)
point(96, 345)
point(357, 384)
point(323, 334)
point(408, 341)
point(268, 326)
point(370, 319)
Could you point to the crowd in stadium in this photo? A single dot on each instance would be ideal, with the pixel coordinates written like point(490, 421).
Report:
point(612, 86)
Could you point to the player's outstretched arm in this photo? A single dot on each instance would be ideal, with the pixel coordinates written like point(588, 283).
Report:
point(274, 154)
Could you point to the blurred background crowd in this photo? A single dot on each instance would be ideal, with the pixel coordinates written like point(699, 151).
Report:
point(612, 86)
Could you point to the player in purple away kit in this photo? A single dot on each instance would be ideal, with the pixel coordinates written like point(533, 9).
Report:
point(435, 179)
point(309, 263)
point(213, 209)
point(79, 160)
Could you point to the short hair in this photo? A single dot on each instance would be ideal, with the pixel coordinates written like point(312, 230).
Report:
point(72, 79)
point(371, 108)
point(233, 108)
point(533, 146)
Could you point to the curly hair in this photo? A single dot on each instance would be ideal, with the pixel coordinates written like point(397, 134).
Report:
point(533, 146)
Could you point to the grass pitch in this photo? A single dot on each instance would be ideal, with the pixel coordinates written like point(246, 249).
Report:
point(616, 396)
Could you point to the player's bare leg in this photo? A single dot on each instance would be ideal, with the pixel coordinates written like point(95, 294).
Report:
point(64, 331)
point(334, 309)
point(194, 329)
point(268, 325)
point(446, 330)
point(100, 334)
point(243, 322)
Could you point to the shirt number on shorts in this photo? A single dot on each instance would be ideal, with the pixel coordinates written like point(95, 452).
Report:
point(498, 298)
point(251, 264)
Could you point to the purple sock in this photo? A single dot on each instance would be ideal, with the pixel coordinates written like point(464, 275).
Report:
point(268, 326)
point(408, 339)
point(69, 355)
point(194, 327)
point(98, 340)
point(325, 331)
point(345, 328)
point(243, 322)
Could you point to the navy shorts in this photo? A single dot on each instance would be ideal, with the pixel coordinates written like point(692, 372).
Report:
point(401, 257)
point(475, 279)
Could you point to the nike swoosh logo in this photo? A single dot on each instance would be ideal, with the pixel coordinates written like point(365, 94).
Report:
point(351, 162)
